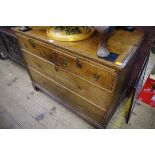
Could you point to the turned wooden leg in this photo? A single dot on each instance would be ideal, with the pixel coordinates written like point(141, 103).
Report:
point(35, 87)
point(2, 56)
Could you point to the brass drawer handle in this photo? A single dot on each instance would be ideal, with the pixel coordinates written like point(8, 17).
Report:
point(65, 63)
point(32, 43)
point(78, 62)
point(43, 53)
point(80, 87)
point(96, 77)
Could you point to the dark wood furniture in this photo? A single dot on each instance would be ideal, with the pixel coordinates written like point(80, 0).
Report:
point(73, 74)
point(137, 76)
point(9, 46)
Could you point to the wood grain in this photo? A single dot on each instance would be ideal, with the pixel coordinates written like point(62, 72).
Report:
point(87, 69)
point(69, 97)
point(99, 96)
point(93, 87)
point(86, 48)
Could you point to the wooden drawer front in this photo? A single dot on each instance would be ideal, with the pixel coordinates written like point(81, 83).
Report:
point(86, 70)
point(69, 98)
point(83, 88)
point(36, 48)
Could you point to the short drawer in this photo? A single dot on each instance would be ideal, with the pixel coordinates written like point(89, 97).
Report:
point(86, 90)
point(71, 100)
point(36, 48)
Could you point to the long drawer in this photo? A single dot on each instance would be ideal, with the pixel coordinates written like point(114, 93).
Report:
point(101, 76)
point(87, 90)
point(68, 97)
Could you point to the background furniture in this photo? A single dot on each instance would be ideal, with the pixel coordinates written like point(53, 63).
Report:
point(9, 46)
point(137, 76)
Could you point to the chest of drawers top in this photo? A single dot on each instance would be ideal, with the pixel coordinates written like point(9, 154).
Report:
point(123, 43)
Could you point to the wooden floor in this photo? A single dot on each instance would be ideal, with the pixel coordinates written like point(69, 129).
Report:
point(22, 107)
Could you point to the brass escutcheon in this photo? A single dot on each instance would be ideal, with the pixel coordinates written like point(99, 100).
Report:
point(96, 77)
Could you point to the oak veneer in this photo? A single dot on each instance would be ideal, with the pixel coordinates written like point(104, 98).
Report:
point(71, 71)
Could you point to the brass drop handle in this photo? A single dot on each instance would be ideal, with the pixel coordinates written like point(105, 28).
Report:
point(43, 53)
point(80, 87)
point(65, 63)
point(96, 77)
point(78, 62)
point(32, 43)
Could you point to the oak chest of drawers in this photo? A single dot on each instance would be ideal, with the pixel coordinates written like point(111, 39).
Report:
point(72, 73)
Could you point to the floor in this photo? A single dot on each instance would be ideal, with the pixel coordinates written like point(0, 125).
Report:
point(22, 107)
